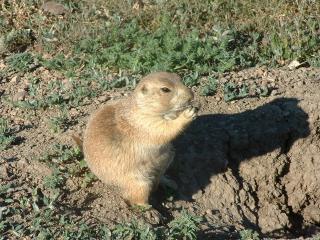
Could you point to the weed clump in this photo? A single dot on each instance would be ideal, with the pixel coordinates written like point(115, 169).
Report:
point(16, 41)
point(20, 62)
point(6, 139)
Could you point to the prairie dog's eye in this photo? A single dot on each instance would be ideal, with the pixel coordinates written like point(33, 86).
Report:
point(165, 89)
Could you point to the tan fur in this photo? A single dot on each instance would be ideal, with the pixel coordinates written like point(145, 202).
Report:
point(127, 142)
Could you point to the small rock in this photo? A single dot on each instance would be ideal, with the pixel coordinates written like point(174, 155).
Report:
point(2, 65)
point(277, 193)
point(272, 79)
point(26, 82)
point(191, 209)
point(86, 100)
point(3, 47)
point(224, 80)
point(54, 8)
point(209, 212)
point(296, 64)
point(274, 92)
point(259, 72)
point(218, 99)
point(15, 79)
point(104, 98)
point(300, 83)
point(314, 118)
point(197, 195)
point(20, 95)
point(67, 84)
point(153, 216)
point(138, 5)
point(4, 172)
point(273, 84)
point(168, 205)
point(73, 112)
point(27, 123)
point(22, 163)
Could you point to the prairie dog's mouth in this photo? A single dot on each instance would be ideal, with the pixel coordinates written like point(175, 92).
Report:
point(181, 108)
point(175, 112)
point(187, 105)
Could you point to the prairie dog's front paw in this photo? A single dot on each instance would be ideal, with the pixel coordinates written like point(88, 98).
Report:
point(190, 113)
point(170, 116)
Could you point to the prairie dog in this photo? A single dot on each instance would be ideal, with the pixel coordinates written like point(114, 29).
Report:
point(127, 142)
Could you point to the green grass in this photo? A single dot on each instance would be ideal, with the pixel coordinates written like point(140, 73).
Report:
point(182, 36)
point(43, 95)
point(103, 37)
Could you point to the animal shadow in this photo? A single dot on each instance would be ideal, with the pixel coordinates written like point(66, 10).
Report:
point(214, 142)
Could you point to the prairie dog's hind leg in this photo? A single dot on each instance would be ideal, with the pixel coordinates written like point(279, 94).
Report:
point(161, 179)
point(136, 192)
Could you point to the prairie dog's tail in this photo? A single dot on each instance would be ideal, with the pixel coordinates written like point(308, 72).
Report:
point(77, 140)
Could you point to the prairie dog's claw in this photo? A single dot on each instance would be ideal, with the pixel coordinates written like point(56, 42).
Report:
point(170, 116)
point(190, 113)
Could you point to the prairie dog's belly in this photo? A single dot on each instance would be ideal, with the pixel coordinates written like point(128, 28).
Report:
point(116, 161)
point(154, 158)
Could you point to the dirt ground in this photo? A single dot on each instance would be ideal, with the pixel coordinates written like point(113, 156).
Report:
point(251, 163)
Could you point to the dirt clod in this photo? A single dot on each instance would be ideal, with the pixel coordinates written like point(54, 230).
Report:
point(54, 8)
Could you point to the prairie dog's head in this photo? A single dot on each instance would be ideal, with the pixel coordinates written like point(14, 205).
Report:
point(162, 92)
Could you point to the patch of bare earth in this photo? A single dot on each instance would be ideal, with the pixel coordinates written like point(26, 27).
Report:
point(252, 163)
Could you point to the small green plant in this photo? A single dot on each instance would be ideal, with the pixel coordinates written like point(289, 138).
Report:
point(317, 237)
point(263, 91)
point(16, 40)
point(62, 154)
point(234, 92)
point(184, 227)
point(49, 223)
point(5, 134)
point(191, 79)
point(59, 123)
point(65, 162)
point(133, 230)
point(139, 208)
point(21, 62)
point(210, 88)
point(65, 154)
point(249, 234)
point(55, 180)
